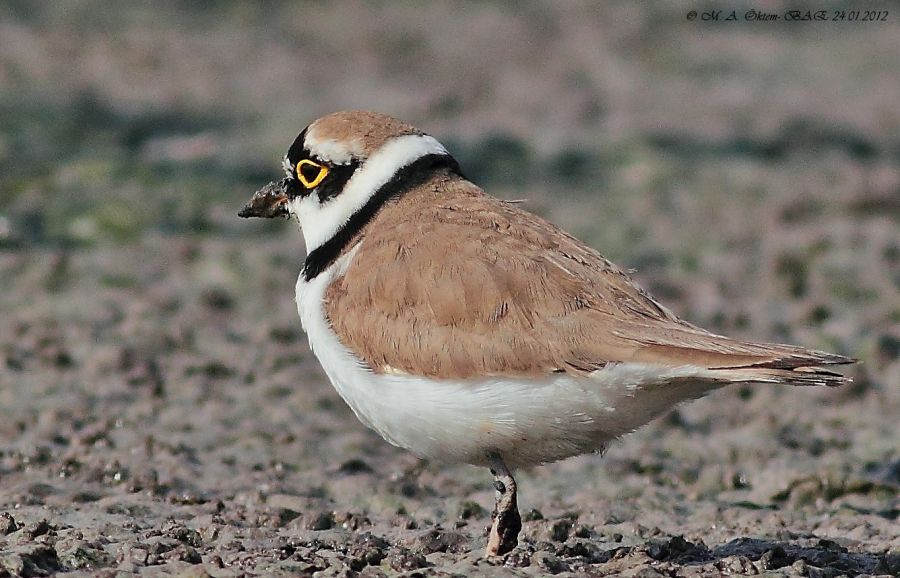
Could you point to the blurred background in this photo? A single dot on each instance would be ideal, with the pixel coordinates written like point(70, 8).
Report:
point(765, 154)
point(749, 172)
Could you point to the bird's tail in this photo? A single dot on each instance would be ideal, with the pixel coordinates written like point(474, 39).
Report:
point(800, 375)
point(732, 361)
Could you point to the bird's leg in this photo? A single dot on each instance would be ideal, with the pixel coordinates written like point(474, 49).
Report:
point(505, 521)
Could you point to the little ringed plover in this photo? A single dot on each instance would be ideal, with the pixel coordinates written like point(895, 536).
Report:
point(466, 329)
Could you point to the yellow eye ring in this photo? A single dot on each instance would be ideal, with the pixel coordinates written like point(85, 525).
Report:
point(311, 184)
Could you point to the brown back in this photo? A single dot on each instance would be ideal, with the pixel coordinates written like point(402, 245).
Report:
point(451, 283)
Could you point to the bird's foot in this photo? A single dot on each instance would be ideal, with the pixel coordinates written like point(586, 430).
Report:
point(506, 522)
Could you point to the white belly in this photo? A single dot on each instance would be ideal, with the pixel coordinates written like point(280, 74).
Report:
point(524, 421)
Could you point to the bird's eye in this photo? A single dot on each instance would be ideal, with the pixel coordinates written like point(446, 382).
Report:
point(311, 173)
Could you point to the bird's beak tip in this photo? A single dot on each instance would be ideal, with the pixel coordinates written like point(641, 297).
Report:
point(269, 202)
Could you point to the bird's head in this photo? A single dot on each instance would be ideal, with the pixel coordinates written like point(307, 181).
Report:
point(335, 166)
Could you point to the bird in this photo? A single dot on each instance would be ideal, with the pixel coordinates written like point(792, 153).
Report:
point(464, 328)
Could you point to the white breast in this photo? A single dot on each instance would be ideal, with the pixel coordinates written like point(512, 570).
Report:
point(525, 421)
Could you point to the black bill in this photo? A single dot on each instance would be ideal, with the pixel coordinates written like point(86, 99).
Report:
point(269, 202)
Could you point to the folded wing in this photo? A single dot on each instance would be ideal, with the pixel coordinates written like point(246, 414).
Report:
point(466, 286)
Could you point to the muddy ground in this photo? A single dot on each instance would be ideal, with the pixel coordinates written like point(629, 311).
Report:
point(160, 410)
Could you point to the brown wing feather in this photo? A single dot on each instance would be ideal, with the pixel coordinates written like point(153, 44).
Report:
point(452, 283)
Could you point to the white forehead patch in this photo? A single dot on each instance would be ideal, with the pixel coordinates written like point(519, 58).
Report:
point(336, 152)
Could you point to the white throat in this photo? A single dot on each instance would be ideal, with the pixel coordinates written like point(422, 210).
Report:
point(320, 221)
